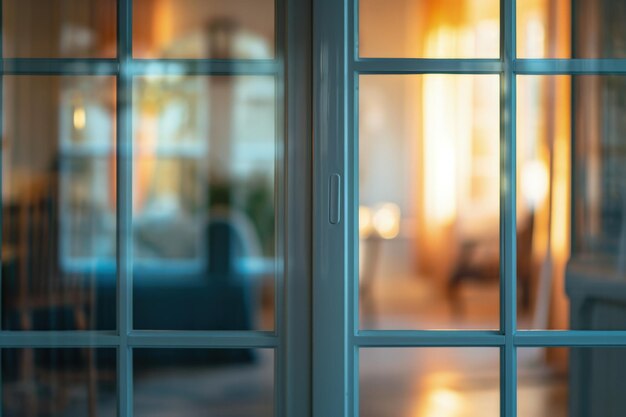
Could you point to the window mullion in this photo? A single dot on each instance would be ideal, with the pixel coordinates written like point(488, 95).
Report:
point(330, 292)
point(124, 207)
point(1, 182)
point(508, 230)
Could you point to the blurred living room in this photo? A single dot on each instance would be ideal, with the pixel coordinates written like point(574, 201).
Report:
point(140, 207)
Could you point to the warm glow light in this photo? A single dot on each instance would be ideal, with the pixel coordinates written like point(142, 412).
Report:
point(365, 222)
point(440, 147)
point(560, 206)
point(386, 221)
point(535, 182)
point(443, 402)
point(145, 156)
point(442, 42)
point(163, 25)
point(536, 38)
point(80, 118)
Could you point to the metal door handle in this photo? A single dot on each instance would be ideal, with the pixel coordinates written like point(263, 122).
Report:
point(334, 200)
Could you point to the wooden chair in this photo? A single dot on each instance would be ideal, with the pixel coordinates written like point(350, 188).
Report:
point(31, 230)
point(470, 266)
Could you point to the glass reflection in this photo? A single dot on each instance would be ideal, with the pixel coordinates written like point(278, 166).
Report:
point(571, 382)
point(59, 28)
point(571, 278)
point(429, 382)
point(203, 208)
point(221, 29)
point(203, 382)
point(58, 382)
point(58, 203)
point(543, 199)
point(429, 29)
point(429, 201)
point(571, 29)
point(465, 29)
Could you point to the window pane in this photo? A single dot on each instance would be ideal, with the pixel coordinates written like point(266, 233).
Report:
point(203, 209)
point(571, 382)
point(241, 29)
point(429, 201)
point(429, 382)
point(58, 382)
point(545, 29)
point(429, 28)
point(203, 382)
point(571, 278)
point(58, 203)
point(59, 28)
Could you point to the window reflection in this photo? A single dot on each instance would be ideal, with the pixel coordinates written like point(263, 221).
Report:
point(571, 29)
point(203, 29)
point(570, 382)
point(429, 29)
point(428, 248)
point(48, 382)
point(59, 28)
point(58, 188)
point(429, 382)
point(203, 382)
point(543, 204)
point(203, 201)
point(466, 29)
point(429, 187)
point(574, 260)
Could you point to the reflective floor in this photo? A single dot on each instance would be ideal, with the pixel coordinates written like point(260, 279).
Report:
point(427, 382)
point(450, 382)
point(167, 382)
point(238, 383)
point(455, 383)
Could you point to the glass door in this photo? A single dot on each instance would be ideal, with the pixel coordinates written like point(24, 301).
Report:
point(469, 208)
point(155, 208)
